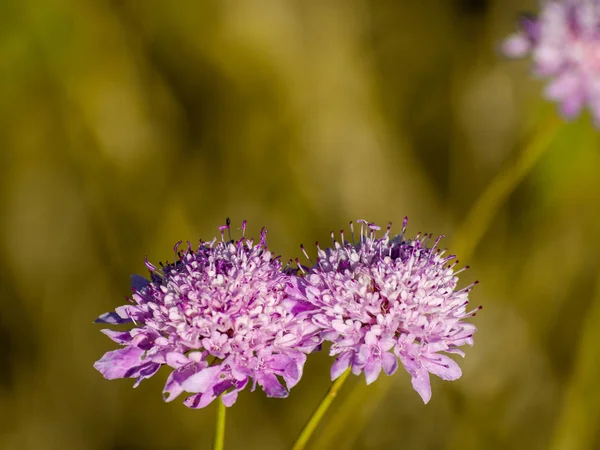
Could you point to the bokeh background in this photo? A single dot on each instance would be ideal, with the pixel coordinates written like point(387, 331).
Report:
point(126, 126)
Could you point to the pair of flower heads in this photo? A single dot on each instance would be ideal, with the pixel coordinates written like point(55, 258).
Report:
point(228, 314)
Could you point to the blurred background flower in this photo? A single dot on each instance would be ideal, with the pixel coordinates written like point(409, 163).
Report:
point(128, 126)
point(564, 42)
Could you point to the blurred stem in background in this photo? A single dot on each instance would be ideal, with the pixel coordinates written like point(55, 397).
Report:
point(219, 441)
point(316, 417)
point(497, 192)
point(362, 399)
point(578, 422)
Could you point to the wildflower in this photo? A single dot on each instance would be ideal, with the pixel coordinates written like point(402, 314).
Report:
point(564, 42)
point(387, 299)
point(219, 317)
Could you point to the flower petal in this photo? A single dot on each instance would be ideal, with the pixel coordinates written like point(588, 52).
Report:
point(372, 371)
point(120, 363)
point(229, 398)
point(176, 359)
point(199, 400)
point(389, 363)
point(293, 372)
point(272, 386)
point(567, 90)
point(146, 371)
point(117, 317)
point(174, 385)
point(201, 381)
point(138, 282)
point(120, 337)
point(442, 366)
point(288, 366)
point(421, 384)
point(340, 365)
point(279, 362)
point(516, 46)
point(531, 27)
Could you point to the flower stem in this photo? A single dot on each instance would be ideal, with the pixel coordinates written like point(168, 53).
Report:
point(219, 441)
point(578, 418)
point(316, 417)
point(497, 192)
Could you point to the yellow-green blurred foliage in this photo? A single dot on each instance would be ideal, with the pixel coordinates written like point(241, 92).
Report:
point(129, 125)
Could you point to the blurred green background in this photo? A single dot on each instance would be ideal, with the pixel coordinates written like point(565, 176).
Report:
point(129, 125)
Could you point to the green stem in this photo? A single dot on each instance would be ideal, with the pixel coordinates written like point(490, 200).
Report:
point(362, 403)
point(314, 420)
point(497, 192)
point(219, 441)
point(580, 414)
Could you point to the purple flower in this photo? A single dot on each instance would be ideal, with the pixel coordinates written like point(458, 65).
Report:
point(385, 299)
point(564, 42)
point(219, 317)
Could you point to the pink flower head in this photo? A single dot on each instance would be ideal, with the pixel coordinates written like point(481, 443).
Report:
point(219, 317)
point(383, 299)
point(564, 43)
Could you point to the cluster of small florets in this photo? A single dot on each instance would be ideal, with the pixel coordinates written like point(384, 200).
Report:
point(220, 318)
point(564, 43)
point(383, 299)
point(228, 314)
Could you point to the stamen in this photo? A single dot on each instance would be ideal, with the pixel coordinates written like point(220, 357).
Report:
point(467, 288)
point(437, 241)
point(151, 267)
point(374, 228)
point(362, 229)
point(387, 232)
point(228, 222)
point(263, 237)
point(404, 223)
point(222, 229)
point(305, 254)
point(474, 312)
point(426, 239)
point(176, 250)
point(461, 270)
point(300, 266)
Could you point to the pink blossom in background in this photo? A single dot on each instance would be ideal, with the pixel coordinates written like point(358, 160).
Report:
point(563, 41)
